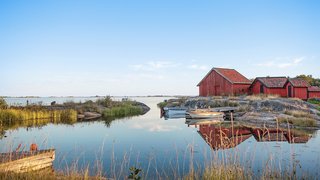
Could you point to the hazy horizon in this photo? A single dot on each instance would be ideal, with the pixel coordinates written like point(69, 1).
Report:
point(135, 48)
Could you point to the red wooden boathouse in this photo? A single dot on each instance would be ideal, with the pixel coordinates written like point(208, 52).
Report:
point(269, 85)
point(313, 92)
point(297, 88)
point(222, 81)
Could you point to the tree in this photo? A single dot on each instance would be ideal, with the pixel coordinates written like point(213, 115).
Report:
point(3, 103)
point(312, 81)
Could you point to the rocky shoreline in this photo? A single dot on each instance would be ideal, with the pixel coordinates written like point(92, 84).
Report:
point(260, 110)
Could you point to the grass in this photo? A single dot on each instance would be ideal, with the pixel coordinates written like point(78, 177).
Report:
point(162, 104)
point(123, 110)
point(261, 97)
point(223, 103)
point(299, 114)
point(11, 118)
point(314, 101)
point(302, 121)
point(48, 175)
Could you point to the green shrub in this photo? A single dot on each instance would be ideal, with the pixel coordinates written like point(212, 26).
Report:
point(122, 111)
point(162, 104)
point(314, 101)
point(106, 102)
point(3, 103)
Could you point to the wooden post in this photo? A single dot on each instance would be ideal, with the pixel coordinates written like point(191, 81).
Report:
point(231, 118)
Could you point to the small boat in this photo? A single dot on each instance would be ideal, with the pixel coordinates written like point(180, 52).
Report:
point(25, 161)
point(175, 112)
point(204, 114)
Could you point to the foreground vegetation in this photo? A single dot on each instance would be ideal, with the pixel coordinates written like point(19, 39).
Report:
point(215, 166)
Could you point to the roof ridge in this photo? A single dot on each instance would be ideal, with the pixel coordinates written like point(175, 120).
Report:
point(223, 68)
point(217, 70)
point(273, 77)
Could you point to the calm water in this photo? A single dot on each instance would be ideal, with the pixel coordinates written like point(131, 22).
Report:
point(155, 145)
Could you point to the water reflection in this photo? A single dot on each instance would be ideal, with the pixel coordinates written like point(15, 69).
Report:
point(224, 136)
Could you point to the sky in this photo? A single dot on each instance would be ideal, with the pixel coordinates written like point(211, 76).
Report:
point(141, 47)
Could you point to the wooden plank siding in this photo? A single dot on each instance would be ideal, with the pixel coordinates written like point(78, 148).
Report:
point(297, 92)
point(313, 94)
point(215, 83)
point(255, 89)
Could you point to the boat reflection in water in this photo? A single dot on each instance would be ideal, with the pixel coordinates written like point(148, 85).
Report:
point(224, 136)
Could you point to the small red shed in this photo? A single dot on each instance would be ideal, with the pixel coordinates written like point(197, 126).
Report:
point(269, 85)
point(313, 92)
point(222, 81)
point(297, 88)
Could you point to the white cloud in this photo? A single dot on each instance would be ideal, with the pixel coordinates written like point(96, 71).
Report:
point(152, 127)
point(198, 67)
point(282, 62)
point(154, 65)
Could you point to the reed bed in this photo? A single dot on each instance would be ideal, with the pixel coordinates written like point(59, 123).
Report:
point(13, 117)
point(124, 110)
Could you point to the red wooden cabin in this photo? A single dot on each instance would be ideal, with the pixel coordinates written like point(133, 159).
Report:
point(222, 81)
point(313, 92)
point(269, 85)
point(297, 88)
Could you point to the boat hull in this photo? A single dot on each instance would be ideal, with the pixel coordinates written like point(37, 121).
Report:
point(204, 115)
point(26, 161)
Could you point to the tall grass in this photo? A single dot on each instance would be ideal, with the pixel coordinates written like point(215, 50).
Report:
point(15, 117)
point(124, 110)
point(261, 97)
point(299, 114)
point(298, 118)
point(302, 121)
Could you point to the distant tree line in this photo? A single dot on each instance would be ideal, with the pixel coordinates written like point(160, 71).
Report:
point(312, 81)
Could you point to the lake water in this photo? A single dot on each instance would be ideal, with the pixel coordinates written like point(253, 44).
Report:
point(158, 146)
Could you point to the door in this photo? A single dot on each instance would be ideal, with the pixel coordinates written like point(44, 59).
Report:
point(289, 91)
point(261, 89)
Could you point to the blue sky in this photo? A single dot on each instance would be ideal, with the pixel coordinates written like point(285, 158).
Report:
point(138, 47)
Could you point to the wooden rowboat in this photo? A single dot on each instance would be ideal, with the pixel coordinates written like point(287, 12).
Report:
point(26, 161)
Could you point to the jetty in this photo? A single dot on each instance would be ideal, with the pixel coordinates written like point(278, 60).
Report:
point(25, 161)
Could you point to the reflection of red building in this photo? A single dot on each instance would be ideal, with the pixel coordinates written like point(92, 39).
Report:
point(219, 137)
point(223, 138)
point(268, 135)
